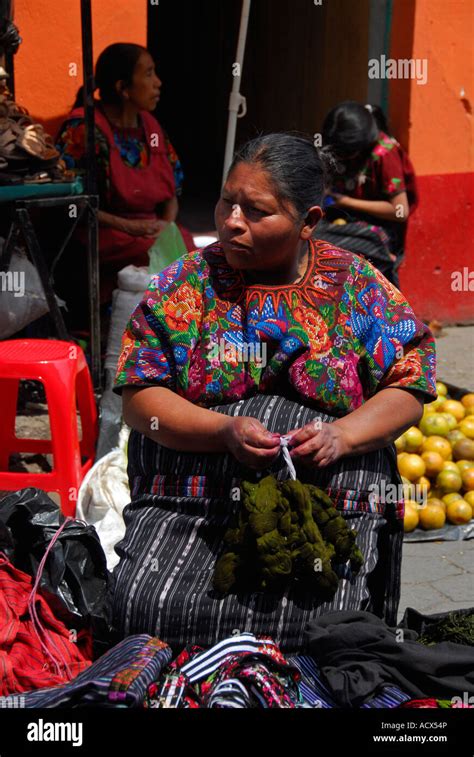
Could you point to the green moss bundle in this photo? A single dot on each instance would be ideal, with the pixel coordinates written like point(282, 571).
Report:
point(285, 531)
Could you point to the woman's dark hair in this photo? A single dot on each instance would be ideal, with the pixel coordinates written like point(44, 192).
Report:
point(379, 116)
point(349, 128)
point(116, 63)
point(298, 170)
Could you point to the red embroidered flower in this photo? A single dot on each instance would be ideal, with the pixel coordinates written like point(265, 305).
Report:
point(316, 329)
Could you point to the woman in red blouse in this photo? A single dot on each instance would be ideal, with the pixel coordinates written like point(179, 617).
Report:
point(378, 184)
point(139, 174)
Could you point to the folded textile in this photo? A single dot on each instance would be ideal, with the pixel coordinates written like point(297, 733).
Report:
point(120, 678)
point(358, 654)
point(316, 692)
point(239, 672)
point(36, 648)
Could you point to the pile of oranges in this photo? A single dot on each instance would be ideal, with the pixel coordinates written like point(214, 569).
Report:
point(436, 463)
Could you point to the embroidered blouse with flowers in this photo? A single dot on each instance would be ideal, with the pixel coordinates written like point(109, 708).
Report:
point(330, 341)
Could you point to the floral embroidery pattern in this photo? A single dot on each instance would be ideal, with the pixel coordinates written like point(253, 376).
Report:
point(334, 339)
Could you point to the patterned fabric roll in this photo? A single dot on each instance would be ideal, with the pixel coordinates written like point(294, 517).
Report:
point(181, 506)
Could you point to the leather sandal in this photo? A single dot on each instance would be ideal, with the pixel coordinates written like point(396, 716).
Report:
point(41, 177)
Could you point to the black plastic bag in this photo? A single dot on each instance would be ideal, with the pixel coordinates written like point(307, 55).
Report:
point(75, 580)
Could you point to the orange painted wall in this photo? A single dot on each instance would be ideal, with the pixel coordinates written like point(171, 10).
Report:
point(444, 35)
point(435, 123)
point(51, 33)
point(440, 126)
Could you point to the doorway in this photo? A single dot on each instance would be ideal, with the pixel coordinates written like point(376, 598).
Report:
point(301, 58)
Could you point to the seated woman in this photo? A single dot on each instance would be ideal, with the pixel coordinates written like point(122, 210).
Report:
point(139, 173)
point(331, 340)
point(378, 184)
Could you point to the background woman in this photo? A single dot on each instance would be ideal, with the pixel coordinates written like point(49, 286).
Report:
point(378, 182)
point(341, 346)
point(139, 173)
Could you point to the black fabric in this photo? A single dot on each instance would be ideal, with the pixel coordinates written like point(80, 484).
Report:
point(366, 236)
point(358, 654)
point(181, 507)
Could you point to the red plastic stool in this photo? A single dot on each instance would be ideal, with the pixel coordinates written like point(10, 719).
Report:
point(62, 368)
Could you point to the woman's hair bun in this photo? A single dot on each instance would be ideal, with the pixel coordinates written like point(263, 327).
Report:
point(331, 164)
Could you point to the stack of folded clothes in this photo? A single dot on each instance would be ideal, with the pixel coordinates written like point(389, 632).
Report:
point(351, 660)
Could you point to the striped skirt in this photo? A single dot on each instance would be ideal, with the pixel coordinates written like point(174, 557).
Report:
point(182, 504)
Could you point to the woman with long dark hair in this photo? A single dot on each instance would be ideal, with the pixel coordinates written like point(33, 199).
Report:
point(139, 173)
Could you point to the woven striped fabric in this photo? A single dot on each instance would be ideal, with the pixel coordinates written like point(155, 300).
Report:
point(163, 582)
point(119, 678)
point(317, 694)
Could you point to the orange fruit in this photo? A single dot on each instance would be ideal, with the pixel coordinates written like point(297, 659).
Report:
point(450, 420)
point(438, 502)
point(459, 512)
point(437, 444)
point(413, 439)
point(400, 444)
point(411, 466)
point(468, 400)
point(469, 498)
point(410, 519)
point(454, 408)
point(450, 465)
point(464, 465)
point(435, 404)
point(464, 449)
point(434, 424)
point(433, 463)
point(466, 426)
point(431, 517)
point(468, 479)
point(449, 481)
point(441, 389)
point(454, 436)
point(451, 497)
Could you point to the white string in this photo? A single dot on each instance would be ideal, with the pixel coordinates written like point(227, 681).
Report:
point(284, 441)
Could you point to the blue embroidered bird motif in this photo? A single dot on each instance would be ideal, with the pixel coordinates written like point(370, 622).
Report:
point(379, 336)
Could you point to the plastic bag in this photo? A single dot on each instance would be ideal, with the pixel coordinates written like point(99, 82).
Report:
point(75, 580)
point(103, 495)
point(22, 299)
point(169, 246)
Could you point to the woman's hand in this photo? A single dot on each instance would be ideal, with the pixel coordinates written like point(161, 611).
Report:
point(318, 444)
point(250, 442)
point(143, 227)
